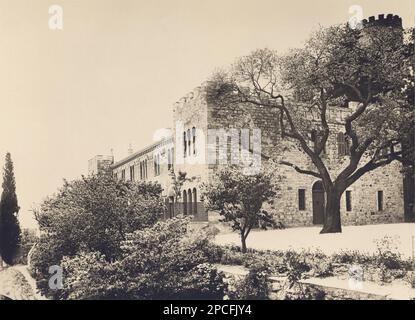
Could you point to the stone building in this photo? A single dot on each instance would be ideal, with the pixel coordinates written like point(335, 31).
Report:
point(201, 142)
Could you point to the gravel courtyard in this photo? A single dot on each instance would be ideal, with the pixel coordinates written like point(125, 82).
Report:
point(361, 238)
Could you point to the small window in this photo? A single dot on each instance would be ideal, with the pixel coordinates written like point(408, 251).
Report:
point(341, 144)
point(380, 200)
point(348, 200)
point(301, 199)
point(123, 174)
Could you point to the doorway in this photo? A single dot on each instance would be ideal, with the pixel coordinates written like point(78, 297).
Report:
point(318, 203)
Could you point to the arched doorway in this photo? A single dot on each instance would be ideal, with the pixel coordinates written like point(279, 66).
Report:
point(318, 203)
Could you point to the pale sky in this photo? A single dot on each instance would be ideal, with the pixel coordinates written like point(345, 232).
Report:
point(110, 77)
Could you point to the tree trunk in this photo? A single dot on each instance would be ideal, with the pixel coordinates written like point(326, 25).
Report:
point(243, 241)
point(332, 222)
point(409, 194)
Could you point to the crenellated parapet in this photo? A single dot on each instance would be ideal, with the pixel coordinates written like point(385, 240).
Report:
point(389, 21)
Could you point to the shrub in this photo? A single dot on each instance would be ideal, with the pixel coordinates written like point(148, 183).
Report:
point(411, 279)
point(296, 266)
point(351, 257)
point(255, 286)
point(320, 265)
point(232, 255)
point(388, 256)
point(161, 262)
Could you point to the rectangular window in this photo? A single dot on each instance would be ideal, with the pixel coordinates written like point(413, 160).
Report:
point(123, 174)
point(132, 173)
point(380, 200)
point(348, 200)
point(301, 199)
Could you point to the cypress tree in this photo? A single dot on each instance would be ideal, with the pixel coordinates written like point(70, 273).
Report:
point(9, 209)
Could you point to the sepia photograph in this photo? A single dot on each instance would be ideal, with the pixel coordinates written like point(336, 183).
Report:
point(207, 155)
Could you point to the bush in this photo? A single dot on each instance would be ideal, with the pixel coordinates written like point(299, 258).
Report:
point(161, 262)
point(320, 265)
point(411, 279)
point(296, 266)
point(255, 286)
point(232, 255)
point(388, 256)
point(351, 257)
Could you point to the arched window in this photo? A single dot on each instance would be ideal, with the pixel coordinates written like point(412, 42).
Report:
point(194, 139)
point(172, 157)
point(190, 205)
point(184, 202)
point(169, 159)
point(184, 144)
point(194, 201)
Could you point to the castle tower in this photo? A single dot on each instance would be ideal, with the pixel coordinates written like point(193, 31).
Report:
point(391, 25)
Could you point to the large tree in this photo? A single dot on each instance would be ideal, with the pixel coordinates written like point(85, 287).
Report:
point(9, 209)
point(359, 70)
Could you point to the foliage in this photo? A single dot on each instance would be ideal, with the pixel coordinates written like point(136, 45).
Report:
point(388, 255)
point(411, 279)
point(296, 266)
point(28, 239)
point(351, 257)
point(239, 198)
point(164, 261)
point(9, 209)
point(177, 182)
point(255, 286)
point(92, 214)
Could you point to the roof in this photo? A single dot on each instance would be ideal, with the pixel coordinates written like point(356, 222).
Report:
point(142, 152)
